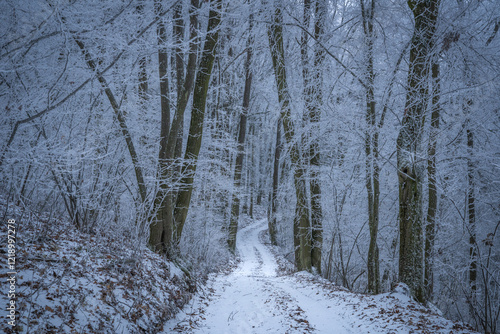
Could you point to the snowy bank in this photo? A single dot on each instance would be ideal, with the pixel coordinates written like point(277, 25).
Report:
point(72, 282)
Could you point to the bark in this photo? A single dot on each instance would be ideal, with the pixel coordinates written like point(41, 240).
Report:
point(235, 206)
point(314, 154)
point(187, 86)
point(471, 207)
point(371, 151)
point(305, 58)
point(143, 79)
point(178, 33)
point(250, 189)
point(164, 85)
point(430, 227)
point(274, 193)
point(302, 239)
point(312, 96)
point(303, 203)
point(470, 199)
point(143, 74)
point(162, 228)
point(410, 168)
point(197, 118)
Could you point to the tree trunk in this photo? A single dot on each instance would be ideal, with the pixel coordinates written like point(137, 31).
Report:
point(197, 118)
point(302, 226)
point(314, 154)
point(471, 207)
point(430, 227)
point(178, 34)
point(312, 78)
point(410, 169)
point(235, 206)
point(143, 73)
point(274, 193)
point(250, 189)
point(371, 151)
point(162, 227)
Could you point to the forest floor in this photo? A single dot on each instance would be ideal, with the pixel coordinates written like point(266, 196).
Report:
point(260, 297)
point(68, 281)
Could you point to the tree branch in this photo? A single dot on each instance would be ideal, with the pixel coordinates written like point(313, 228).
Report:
point(67, 97)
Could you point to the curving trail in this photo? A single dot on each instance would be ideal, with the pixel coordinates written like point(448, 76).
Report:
point(253, 299)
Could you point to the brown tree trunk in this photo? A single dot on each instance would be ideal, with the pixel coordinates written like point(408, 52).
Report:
point(301, 222)
point(274, 193)
point(235, 206)
point(178, 33)
point(162, 228)
point(312, 78)
point(410, 169)
point(197, 117)
point(371, 150)
point(314, 154)
point(430, 227)
point(471, 207)
point(143, 73)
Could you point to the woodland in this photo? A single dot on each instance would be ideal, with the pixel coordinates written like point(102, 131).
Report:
point(367, 132)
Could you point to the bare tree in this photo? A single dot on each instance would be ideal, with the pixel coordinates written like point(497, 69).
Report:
point(197, 117)
point(235, 206)
point(301, 226)
point(372, 168)
point(409, 152)
point(162, 228)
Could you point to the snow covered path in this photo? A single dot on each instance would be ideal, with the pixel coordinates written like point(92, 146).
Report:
point(255, 299)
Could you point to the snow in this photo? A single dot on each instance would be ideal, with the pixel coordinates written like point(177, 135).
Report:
point(69, 281)
point(73, 282)
point(257, 298)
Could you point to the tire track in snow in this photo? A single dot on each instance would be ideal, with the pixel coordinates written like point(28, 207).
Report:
point(252, 299)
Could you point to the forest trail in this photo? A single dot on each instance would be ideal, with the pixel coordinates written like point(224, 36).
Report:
point(254, 299)
point(257, 298)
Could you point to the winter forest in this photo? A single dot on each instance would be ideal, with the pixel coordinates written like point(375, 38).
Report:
point(364, 133)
